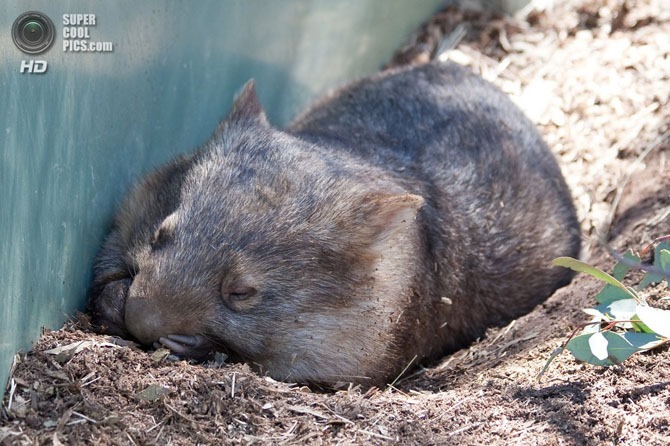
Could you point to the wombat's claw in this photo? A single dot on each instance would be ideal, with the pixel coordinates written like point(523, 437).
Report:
point(196, 347)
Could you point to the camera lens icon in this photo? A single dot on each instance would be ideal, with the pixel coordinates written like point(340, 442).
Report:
point(33, 32)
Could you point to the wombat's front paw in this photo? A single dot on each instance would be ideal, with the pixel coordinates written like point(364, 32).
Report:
point(108, 308)
point(195, 347)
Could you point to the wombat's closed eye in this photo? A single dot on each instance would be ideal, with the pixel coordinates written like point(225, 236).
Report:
point(326, 252)
point(239, 296)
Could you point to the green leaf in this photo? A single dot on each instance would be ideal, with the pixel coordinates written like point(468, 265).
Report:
point(656, 319)
point(640, 327)
point(621, 269)
point(576, 265)
point(611, 293)
point(618, 348)
point(595, 312)
point(598, 345)
point(643, 341)
point(663, 246)
point(664, 255)
point(648, 279)
point(621, 310)
point(661, 261)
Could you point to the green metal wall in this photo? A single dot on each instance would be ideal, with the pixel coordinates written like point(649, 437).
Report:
point(74, 138)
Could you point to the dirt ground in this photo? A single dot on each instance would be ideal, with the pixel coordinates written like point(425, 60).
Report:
point(594, 76)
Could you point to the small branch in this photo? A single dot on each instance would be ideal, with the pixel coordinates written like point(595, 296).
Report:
point(653, 244)
point(232, 387)
point(402, 373)
point(372, 434)
point(638, 265)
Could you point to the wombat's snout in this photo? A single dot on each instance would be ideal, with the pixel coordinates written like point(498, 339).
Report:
point(168, 328)
point(155, 310)
point(143, 320)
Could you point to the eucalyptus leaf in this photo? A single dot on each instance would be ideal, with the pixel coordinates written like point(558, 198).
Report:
point(596, 318)
point(595, 312)
point(621, 269)
point(579, 266)
point(557, 351)
point(611, 293)
point(643, 341)
point(648, 279)
point(662, 262)
point(618, 348)
point(598, 346)
point(656, 319)
point(663, 246)
point(640, 326)
point(664, 255)
point(623, 310)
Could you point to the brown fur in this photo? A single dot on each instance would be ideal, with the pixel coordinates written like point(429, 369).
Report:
point(398, 217)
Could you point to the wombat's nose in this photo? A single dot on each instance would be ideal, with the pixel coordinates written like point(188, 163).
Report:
point(143, 320)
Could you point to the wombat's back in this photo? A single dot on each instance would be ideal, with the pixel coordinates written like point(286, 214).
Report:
point(497, 208)
point(433, 117)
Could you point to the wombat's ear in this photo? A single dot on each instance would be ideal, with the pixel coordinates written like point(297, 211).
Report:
point(246, 105)
point(388, 214)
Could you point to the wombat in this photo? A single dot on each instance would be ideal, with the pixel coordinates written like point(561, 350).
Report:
point(391, 223)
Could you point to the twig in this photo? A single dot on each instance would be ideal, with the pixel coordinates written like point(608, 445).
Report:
point(402, 373)
point(186, 417)
point(307, 411)
point(160, 423)
point(232, 387)
point(91, 381)
point(12, 389)
point(451, 409)
point(340, 417)
point(383, 437)
point(84, 417)
point(463, 429)
point(130, 438)
point(450, 41)
point(653, 243)
point(420, 371)
point(504, 332)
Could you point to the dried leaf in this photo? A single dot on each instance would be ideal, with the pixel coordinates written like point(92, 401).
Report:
point(160, 355)
point(152, 393)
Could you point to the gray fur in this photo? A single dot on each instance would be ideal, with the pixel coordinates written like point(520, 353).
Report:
point(399, 217)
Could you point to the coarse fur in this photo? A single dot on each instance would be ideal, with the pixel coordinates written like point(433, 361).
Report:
point(391, 223)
